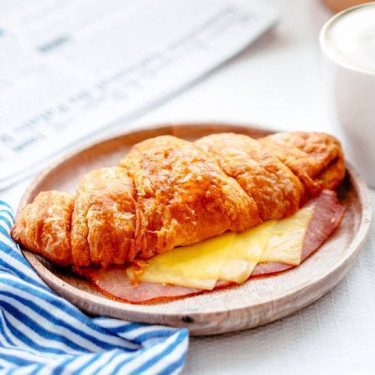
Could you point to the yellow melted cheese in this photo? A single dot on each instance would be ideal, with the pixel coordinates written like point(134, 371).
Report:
point(230, 257)
point(195, 266)
point(285, 244)
point(245, 253)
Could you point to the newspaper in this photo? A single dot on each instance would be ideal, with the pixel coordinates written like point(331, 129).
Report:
point(71, 69)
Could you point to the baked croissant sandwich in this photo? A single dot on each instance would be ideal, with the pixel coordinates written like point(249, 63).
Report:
point(168, 193)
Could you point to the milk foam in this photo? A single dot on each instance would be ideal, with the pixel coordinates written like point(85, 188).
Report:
point(349, 38)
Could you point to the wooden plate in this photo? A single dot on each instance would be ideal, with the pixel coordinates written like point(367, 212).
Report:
point(254, 303)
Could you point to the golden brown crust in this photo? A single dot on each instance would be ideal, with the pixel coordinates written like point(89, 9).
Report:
point(103, 222)
point(275, 189)
point(315, 158)
point(183, 196)
point(169, 192)
point(44, 226)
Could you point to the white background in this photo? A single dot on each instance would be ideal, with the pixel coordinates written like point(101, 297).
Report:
point(278, 82)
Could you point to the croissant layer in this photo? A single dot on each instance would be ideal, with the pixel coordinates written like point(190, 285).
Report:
point(274, 187)
point(168, 192)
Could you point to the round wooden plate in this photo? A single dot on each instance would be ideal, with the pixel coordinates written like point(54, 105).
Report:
point(254, 303)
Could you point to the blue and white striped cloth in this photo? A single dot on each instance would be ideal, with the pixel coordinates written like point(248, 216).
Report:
point(41, 333)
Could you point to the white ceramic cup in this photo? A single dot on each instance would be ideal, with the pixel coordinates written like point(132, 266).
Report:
point(348, 41)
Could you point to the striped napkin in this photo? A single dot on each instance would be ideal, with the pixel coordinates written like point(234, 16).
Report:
point(41, 333)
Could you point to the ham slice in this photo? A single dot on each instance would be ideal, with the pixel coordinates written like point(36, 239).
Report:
point(328, 213)
point(113, 282)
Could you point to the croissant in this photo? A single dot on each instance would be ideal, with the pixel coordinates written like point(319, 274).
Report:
point(169, 192)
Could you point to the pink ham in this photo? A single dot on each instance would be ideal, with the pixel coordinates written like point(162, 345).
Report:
point(267, 269)
point(328, 213)
point(114, 282)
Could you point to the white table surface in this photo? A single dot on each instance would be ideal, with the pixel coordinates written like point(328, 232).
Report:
point(278, 82)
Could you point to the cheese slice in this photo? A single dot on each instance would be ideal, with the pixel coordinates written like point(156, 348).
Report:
point(245, 253)
point(286, 242)
point(195, 266)
point(230, 257)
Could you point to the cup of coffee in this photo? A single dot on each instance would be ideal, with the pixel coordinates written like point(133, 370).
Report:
point(348, 42)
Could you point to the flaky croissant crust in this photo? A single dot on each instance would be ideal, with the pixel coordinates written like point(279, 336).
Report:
point(169, 192)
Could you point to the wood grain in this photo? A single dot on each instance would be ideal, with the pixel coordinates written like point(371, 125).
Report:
point(254, 303)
